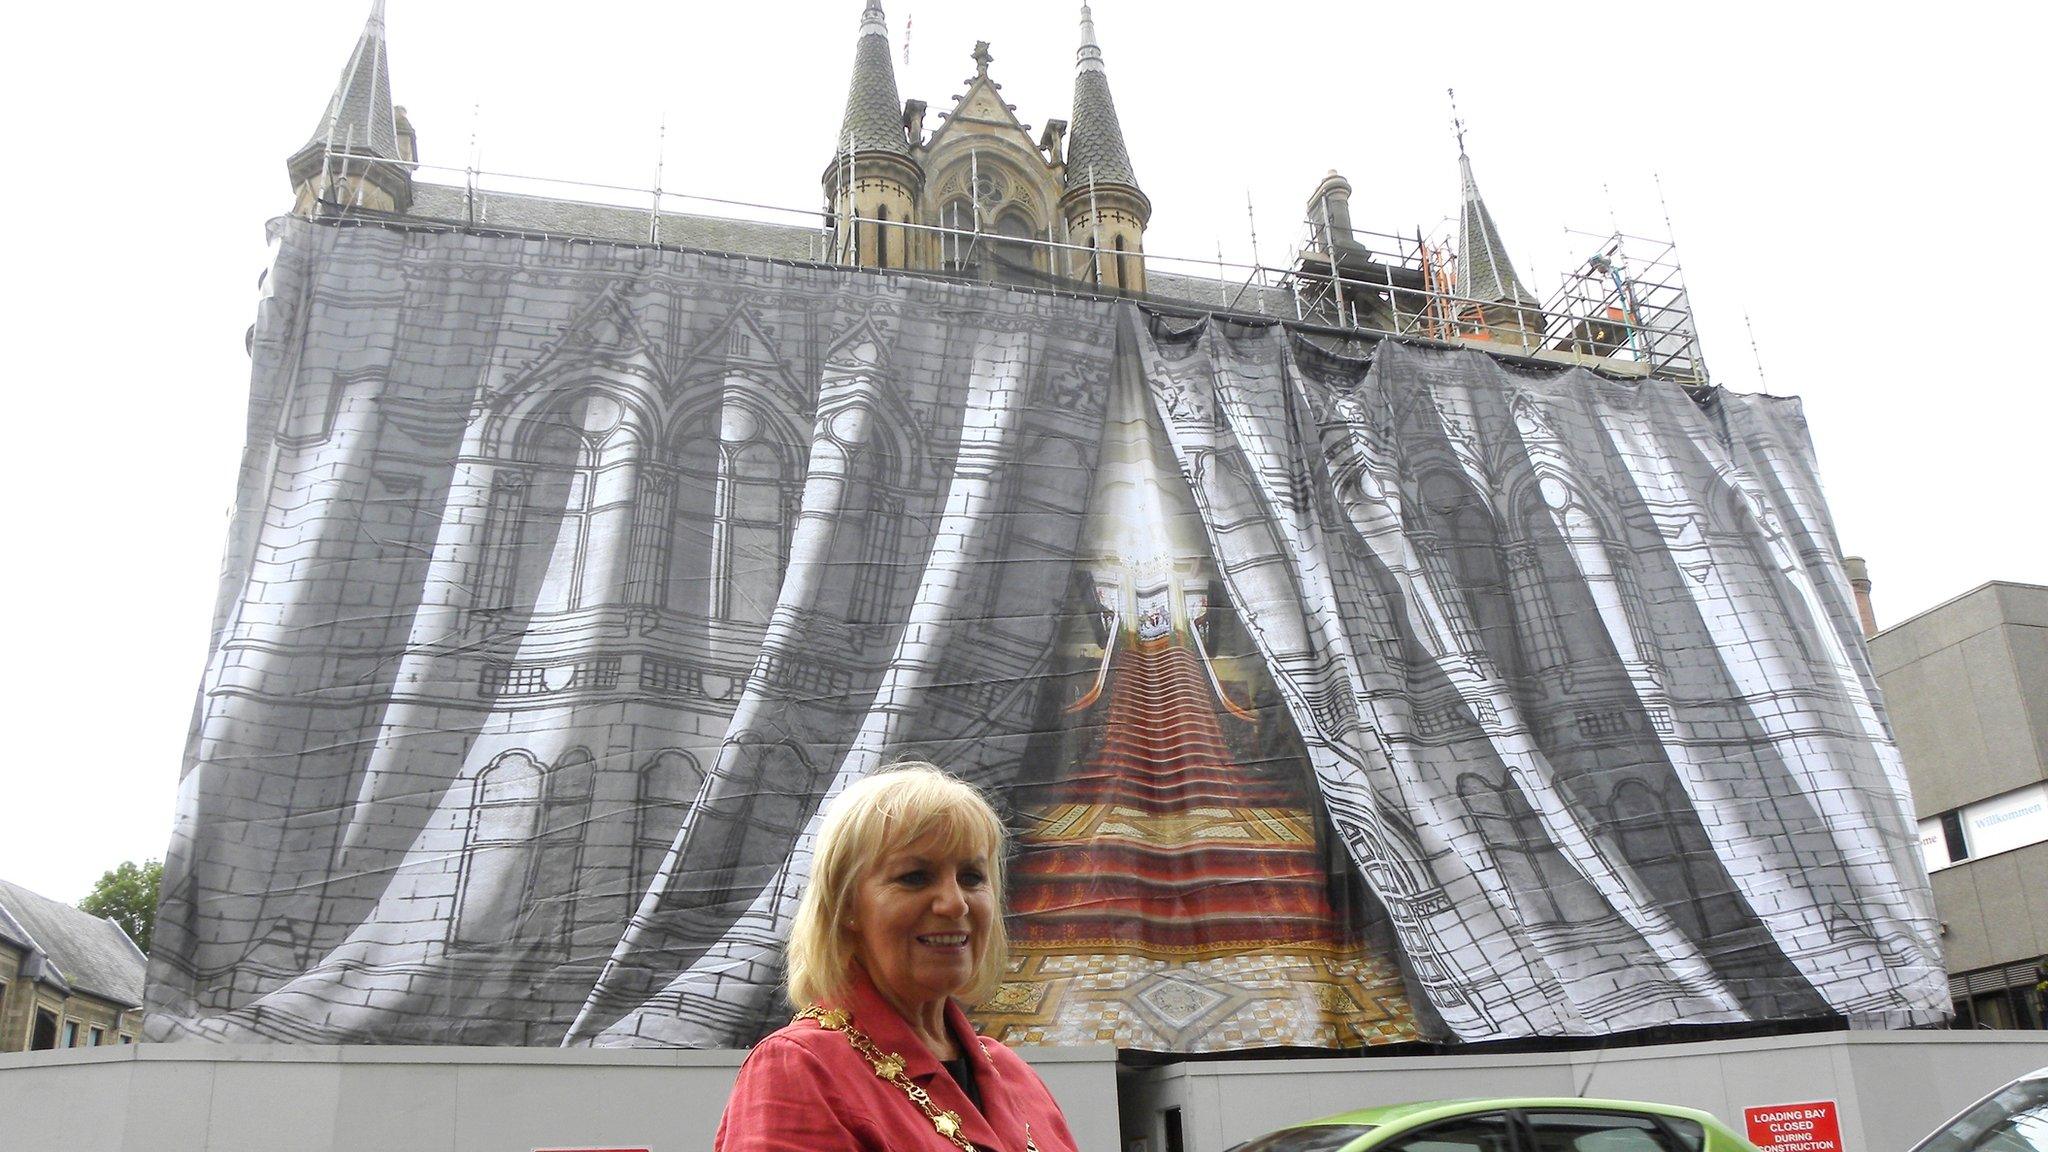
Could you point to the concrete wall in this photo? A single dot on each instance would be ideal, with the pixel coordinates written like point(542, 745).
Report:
point(1966, 685)
point(1891, 1088)
point(1994, 910)
point(275, 1098)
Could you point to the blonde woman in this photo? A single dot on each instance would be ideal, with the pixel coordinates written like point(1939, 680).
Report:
point(903, 920)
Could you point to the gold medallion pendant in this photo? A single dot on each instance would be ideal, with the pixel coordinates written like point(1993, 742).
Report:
point(889, 1066)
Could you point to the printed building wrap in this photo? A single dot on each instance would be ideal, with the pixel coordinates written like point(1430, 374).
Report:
point(1333, 698)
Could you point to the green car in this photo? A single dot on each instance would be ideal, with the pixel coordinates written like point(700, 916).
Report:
point(1512, 1124)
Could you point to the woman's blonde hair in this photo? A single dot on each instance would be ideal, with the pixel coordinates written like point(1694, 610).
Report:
point(898, 806)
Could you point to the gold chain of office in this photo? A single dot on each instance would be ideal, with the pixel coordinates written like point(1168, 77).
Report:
point(889, 1067)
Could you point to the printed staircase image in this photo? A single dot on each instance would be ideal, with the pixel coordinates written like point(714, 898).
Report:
point(1159, 841)
point(1168, 897)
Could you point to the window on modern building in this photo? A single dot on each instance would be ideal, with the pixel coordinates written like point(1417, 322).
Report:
point(1952, 833)
point(2000, 999)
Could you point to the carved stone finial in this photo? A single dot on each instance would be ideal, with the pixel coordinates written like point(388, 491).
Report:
point(981, 57)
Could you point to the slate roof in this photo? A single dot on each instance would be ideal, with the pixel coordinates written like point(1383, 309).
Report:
point(515, 213)
point(73, 949)
point(358, 116)
point(1484, 271)
point(874, 116)
point(1096, 139)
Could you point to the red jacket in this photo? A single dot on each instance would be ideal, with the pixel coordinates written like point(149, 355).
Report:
point(805, 1089)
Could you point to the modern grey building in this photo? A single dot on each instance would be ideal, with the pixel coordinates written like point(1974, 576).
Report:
point(1967, 687)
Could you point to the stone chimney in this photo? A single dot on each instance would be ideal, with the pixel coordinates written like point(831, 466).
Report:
point(1859, 579)
point(1331, 205)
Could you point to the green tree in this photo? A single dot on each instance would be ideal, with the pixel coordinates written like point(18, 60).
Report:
point(127, 895)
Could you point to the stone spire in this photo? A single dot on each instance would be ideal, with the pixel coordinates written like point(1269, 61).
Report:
point(357, 141)
point(1096, 142)
point(1484, 271)
point(874, 116)
point(872, 181)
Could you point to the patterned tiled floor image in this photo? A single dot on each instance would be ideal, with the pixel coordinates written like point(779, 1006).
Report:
point(1331, 997)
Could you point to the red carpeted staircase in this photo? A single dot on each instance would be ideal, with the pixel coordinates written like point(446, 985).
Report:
point(1160, 841)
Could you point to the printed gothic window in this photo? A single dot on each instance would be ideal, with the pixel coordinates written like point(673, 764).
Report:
point(695, 452)
point(737, 486)
point(554, 897)
point(668, 786)
point(879, 555)
point(1466, 534)
point(751, 518)
point(585, 565)
point(653, 539)
point(527, 499)
point(497, 865)
point(1547, 890)
point(1672, 856)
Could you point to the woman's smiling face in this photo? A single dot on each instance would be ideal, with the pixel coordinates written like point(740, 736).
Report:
point(920, 921)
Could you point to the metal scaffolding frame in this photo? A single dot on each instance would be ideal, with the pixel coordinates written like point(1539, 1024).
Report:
point(1624, 308)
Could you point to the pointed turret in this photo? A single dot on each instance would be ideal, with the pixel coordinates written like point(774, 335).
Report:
point(1485, 274)
point(872, 180)
point(1103, 205)
point(361, 151)
point(874, 116)
point(1097, 140)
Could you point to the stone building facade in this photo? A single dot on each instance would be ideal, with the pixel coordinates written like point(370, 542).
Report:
point(68, 979)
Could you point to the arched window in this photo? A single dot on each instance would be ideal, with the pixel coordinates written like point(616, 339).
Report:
point(957, 243)
point(751, 551)
point(1673, 856)
point(668, 786)
point(738, 481)
point(498, 849)
point(1012, 245)
point(881, 236)
point(520, 528)
point(696, 454)
point(555, 898)
point(1123, 268)
point(1547, 890)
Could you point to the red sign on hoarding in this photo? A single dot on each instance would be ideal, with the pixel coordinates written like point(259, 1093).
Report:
point(1810, 1127)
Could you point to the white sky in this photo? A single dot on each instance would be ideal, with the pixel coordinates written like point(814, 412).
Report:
point(1861, 181)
